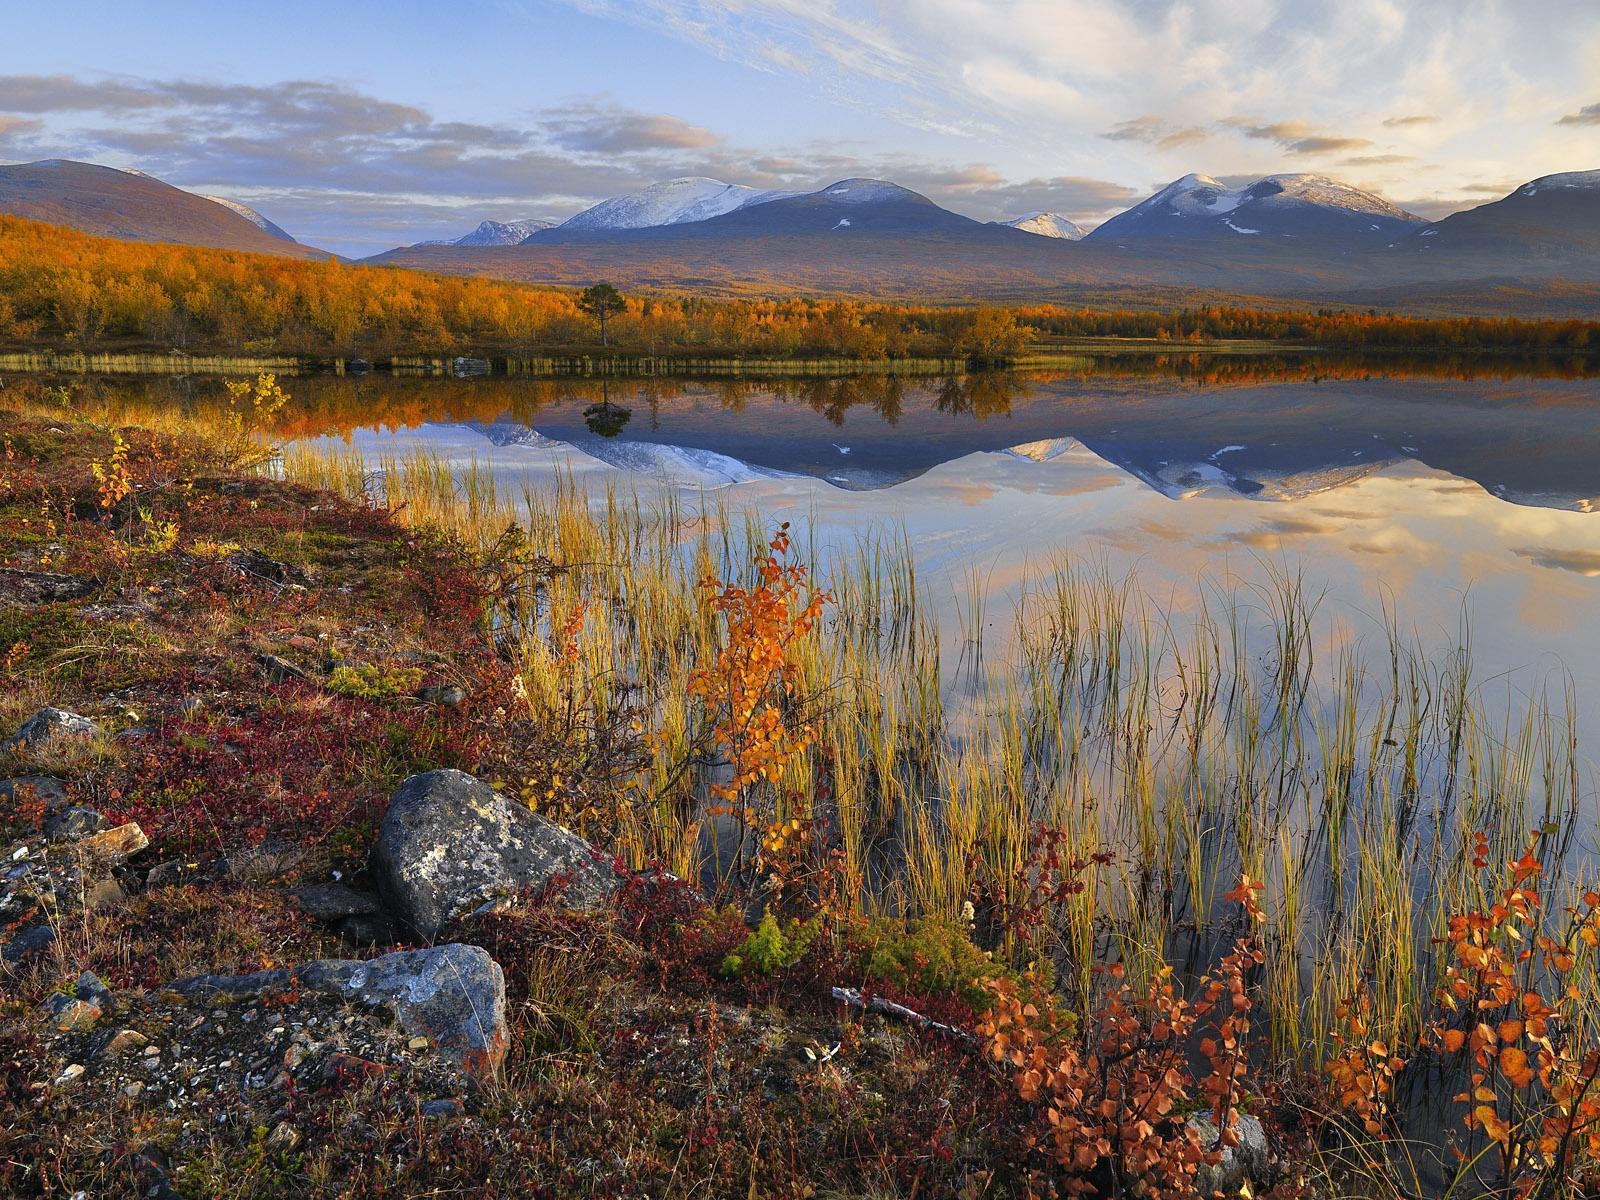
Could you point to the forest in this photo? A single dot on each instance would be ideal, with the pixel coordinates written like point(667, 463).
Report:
point(61, 289)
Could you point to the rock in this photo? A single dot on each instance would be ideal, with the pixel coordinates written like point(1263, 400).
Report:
point(92, 988)
point(448, 695)
point(47, 728)
point(258, 565)
point(114, 1043)
point(70, 824)
point(69, 1014)
point(442, 1108)
point(280, 670)
point(114, 845)
point(40, 587)
point(270, 860)
point(44, 789)
point(454, 995)
point(283, 1138)
point(334, 902)
point(1250, 1160)
point(28, 945)
point(449, 842)
point(70, 1075)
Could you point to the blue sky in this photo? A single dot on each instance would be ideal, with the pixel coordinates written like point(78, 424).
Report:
point(360, 125)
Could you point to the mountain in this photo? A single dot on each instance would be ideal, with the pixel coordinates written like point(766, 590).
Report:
point(1305, 207)
point(499, 233)
point(1046, 224)
point(1549, 225)
point(135, 207)
point(675, 202)
point(248, 213)
point(1300, 239)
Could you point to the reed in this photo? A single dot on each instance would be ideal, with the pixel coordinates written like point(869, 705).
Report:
point(1247, 734)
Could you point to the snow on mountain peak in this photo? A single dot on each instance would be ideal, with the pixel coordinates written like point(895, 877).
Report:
point(245, 211)
point(1565, 179)
point(502, 233)
point(673, 202)
point(865, 191)
point(1046, 224)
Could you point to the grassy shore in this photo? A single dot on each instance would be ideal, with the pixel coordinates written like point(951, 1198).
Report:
point(1052, 874)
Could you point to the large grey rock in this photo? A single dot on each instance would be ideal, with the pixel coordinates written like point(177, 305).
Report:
point(48, 727)
point(1250, 1160)
point(453, 995)
point(450, 842)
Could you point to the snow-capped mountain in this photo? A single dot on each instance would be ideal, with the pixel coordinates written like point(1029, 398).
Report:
point(1046, 224)
point(1275, 207)
point(502, 233)
point(248, 213)
point(674, 202)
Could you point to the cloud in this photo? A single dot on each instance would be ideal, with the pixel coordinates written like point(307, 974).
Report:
point(1579, 562)
point(596, 129)
point(1377, 160)
point(15, 125)
point(1296, 136)
point(1407, 122)
point(1589, 114)
point(1154, 131)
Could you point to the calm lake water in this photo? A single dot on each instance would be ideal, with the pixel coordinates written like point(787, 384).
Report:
point(1464, 506)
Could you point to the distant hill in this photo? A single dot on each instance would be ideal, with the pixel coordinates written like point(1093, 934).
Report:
point(1046, 224)
point(1304, 208)
point(500, 233)
point(1551, 226)
point(136, 207)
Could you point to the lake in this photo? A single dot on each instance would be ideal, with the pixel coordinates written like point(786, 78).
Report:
point(1455, 503)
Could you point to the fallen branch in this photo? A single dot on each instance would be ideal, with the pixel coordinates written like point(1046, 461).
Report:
point(888, 1008)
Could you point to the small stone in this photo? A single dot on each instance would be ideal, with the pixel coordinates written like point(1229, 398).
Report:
point(68, 1014)
point(449, 695)
point(72, 824)
point(69, 1076)
point(417, 1043)
point(113, 845)
point(284, 1137)
point(279, 670)
point(442, 1108)
point(47, 728)
point(92, 988)
point(120, 1042)
point(132, 1089)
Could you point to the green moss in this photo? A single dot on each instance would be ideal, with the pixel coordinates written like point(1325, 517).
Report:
point(374, 683)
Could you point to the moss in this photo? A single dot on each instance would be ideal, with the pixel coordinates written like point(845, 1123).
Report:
point(374, 683)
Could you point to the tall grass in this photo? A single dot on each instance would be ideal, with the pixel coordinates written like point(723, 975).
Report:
point(1245, 734)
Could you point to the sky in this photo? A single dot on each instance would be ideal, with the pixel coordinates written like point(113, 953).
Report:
point(366, 124)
